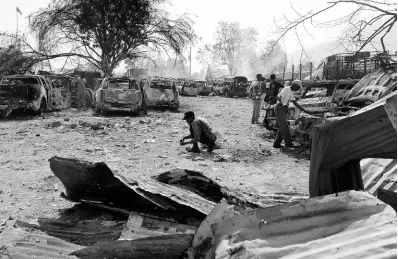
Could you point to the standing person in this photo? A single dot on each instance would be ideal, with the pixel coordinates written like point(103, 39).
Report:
point(81, 92)
point(283, 98)
point(255, 93)
point(200, 132)
point(273, 88)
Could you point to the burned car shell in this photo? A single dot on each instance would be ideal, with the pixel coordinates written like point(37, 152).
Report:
point(318, 97)
point(219, 89)
point(373, 86)
point(238, 87)
point(31, 92)
point(189, 88)
point(162, 92)
point(203, 87)
point(120, 94)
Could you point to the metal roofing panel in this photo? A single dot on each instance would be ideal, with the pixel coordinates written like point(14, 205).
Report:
point(85, 232)
point(369, 132)
point(20, 244)
point(96, 181)
point(379, 173)
point(350, 225)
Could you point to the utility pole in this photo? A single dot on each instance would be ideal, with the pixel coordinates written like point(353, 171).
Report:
point(190, 62)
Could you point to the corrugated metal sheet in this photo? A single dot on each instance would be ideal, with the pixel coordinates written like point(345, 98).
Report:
point(95, 181)
point(350, 225)
point(20, 244)
point(344, 141)
point(87, 232)
point(379, 173)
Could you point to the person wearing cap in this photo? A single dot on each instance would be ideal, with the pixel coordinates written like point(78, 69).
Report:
point(200, 132)
point(283, 98)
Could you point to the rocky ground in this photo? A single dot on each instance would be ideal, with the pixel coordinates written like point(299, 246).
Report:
point(137, 146)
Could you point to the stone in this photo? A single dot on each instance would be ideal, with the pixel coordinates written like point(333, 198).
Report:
point(73, 126)
point(66, 119)
point(56, 124)
point(96, 126)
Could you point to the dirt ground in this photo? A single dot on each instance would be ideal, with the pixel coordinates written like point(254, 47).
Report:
point(137, 146)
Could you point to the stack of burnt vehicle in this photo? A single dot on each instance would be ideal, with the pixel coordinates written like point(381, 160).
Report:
point(333, 98)
point(33, 93)
point(42, 92)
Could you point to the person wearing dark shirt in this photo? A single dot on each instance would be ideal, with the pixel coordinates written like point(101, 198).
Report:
point(200, 132)
point(273, 90)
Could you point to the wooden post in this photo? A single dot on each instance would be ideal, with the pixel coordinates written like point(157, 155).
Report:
point(292, 72)
point(311, 71)
point(300, 71)
point(364, 65)
point(283, 77)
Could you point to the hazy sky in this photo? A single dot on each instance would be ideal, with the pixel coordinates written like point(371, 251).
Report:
point(255, 13)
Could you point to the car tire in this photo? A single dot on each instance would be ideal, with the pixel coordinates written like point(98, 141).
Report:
point(43, 107)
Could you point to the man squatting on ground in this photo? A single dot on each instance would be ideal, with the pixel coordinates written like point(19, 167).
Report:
point(284, 97)
point(200, 132)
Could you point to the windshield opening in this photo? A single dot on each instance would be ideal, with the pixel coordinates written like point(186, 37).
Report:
point(20, 81)
point(119, 85)
point(160, 85)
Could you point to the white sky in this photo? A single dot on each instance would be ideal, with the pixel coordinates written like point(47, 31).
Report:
point(255, 13)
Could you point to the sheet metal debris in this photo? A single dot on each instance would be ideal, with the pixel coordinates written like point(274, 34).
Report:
point(21, 244)
point(379, 173)
point(84, 232)
point(139, 226)
point(350, 225)
point(160, 247)
point(203, 242)
point(95, 182)
point(339, 145)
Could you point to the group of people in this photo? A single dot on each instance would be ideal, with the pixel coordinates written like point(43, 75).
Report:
point(274, 93)
point(262, 93)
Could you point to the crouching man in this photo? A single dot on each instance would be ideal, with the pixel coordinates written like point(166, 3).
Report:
point(200, 132)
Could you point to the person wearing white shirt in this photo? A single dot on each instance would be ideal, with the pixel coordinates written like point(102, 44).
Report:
point(284, 97)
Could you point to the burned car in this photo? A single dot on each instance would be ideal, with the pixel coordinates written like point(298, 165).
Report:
point(120, 94)
point(238, 87)
point(219, 88)
point(204, 88)
point(319, 97)
point(162, 91)
point(34, 93)
point(189, 88)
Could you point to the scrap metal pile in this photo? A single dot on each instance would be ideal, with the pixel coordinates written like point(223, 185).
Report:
point(183, 214)
point(328, 98)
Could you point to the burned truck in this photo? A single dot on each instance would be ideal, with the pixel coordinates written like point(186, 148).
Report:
point(31, 93)
point(238, 87)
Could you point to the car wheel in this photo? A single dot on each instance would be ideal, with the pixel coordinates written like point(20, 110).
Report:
point(42, 108)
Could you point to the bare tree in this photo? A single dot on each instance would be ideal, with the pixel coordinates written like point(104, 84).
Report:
point(105, 32)
point(205, 55)
point(228, 47)
point(369, 21)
